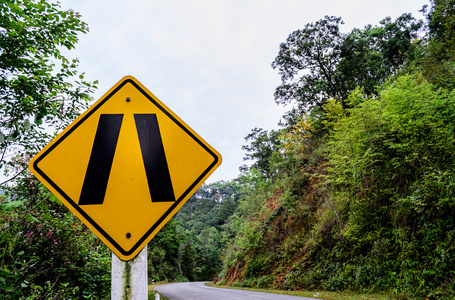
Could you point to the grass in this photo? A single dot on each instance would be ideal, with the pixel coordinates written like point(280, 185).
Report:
point(151, 291)
point(346, 295)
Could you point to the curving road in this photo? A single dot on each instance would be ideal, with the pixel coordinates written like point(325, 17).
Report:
point(199, 291)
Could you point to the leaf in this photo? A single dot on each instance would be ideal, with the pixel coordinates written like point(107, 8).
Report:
point(53, 198)
point(5, 272)
point(31, 218)
point(6, 288)
point(27, 124)
point(12, 204)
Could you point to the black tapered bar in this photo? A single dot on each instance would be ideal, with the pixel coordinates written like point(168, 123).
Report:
point(155, 163)
point(101, 158)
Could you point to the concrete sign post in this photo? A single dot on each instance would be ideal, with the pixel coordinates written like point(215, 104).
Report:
point(129, 278)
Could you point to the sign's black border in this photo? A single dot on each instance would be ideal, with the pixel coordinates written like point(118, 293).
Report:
point(78, 208)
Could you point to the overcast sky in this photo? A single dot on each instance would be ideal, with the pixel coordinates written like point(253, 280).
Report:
point(209, 60)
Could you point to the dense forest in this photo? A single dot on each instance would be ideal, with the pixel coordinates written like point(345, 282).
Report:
point(354, 191)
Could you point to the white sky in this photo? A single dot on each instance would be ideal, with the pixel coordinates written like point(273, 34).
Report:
point(209, 60)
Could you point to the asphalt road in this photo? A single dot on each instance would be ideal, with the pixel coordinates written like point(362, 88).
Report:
point(199, 291)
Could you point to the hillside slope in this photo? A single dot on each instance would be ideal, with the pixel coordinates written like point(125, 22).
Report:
point(357, 193)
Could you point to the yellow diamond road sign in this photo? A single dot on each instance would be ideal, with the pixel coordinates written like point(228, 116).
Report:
point(125, 166)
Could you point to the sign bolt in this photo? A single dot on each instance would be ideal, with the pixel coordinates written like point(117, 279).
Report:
point(128, 235)
point(128, 99)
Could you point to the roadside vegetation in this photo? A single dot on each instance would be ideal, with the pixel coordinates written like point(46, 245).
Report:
point(326, 295)
point(45, 252)
point(355, 192)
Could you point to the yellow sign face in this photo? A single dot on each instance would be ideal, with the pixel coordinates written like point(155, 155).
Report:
point(125, 166)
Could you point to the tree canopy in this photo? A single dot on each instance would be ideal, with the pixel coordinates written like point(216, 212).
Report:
point(40, 89)
point(320, 62)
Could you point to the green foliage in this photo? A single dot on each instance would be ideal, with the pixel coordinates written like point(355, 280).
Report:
point(262, 144)
point(319, 62)
point(188, 260)
point(441, 22)
point(397, 157)
point(317, 49)
point(40, 89)
point(436, 59)
point(374, 213)
point(46, 252)
point(164, 253)
point(362, 195)
point(189, 246)
point(371, 55)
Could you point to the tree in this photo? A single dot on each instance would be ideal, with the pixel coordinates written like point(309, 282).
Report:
point(319, 62)
point(371, 55)
point(188, 260)
point(40, 89)
point(438, 59)
point(307, 63)
point(441, 22)
point(260, 149)
point(163, 263)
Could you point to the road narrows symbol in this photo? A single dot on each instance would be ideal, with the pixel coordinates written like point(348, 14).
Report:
point(101, 158)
